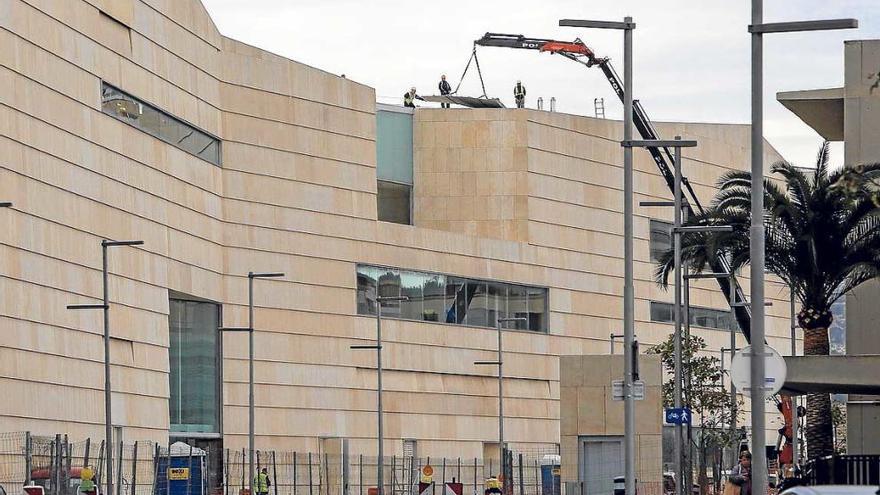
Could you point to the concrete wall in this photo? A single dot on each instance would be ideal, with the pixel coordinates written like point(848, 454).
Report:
point(587, 410)
point(296, 193)
point(862, 145)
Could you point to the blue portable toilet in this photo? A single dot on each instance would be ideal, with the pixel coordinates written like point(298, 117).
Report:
point(186, 475)
point(550, 471)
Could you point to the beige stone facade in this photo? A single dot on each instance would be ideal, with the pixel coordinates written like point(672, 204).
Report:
point(510, 195)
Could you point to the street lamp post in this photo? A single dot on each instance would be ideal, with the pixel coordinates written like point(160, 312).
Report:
point(500, 363)
point(105, 306)
point(629, 411)
point(677, 144)
point(756, 246)
point(250, 330)
point(380, 421)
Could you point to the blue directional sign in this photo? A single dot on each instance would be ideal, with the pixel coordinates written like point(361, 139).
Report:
point(678, 416)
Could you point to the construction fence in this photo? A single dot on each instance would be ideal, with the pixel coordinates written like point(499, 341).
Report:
point(147, 468)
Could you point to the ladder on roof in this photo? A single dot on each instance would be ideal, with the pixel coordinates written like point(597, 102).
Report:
point(599, 107)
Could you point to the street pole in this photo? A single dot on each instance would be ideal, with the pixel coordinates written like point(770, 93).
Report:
point(756, 256)
point(105, 307)
point(380, 420)
point(250, 331)
point(678, 444)
point(629, 406)
point(794, 398)
point(500, 363)
point(756, 232)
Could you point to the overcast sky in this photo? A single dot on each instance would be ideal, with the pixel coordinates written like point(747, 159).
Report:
point(691, 56)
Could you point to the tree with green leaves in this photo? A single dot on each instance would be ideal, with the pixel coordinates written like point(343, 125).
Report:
point(822, 239)
point(704, 394)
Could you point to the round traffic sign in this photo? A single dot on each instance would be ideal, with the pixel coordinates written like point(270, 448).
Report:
point(428, 470)
point(774, 370)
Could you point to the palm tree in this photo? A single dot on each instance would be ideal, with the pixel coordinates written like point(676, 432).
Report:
point(822, 240)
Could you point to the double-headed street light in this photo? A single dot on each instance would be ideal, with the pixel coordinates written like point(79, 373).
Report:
point(380, 426)
point(250, 330)
point(756, 246)
point(500, 363)
point(105, 306)
point(629, 406)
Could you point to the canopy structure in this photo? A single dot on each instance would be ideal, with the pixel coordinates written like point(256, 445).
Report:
point(466, 101)
point(832, 374)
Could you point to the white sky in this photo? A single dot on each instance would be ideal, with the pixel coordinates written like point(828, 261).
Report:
point(691, 56)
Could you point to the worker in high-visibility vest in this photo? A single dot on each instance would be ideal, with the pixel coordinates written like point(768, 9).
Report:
point(410, 97)
point(86, 483)
point(493, 485)
point(519, 94)
point(262, 483)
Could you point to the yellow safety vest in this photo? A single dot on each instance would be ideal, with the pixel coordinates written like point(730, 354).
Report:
point(261, 483)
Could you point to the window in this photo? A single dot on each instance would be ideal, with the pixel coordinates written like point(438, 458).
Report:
point(394, 202)
point(700, 317)
point(661, 239)
point(194, 358)
point(394, 163)
point(450, 299)
point(157, 123)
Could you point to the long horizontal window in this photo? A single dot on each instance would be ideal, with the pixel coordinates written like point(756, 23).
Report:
point(450, 299)
point(157, 123)
point(700, 317)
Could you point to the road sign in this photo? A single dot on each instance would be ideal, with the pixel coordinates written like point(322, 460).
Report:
point(617, 390)
point(427, 474)
point(678, 416)
point(774, 370)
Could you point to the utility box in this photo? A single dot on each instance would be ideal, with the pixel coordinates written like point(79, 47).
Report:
point(186, 473)
point(550, 475)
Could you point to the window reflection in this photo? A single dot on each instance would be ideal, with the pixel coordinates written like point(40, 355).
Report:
point(449, 299)
point(701, 317)
point(162, 125)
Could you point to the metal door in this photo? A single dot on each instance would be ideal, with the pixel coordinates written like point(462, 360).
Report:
point(600, 461)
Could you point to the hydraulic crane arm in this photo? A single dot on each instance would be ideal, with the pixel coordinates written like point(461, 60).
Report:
point(579, 52)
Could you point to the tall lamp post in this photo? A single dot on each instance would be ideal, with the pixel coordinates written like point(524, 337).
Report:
point(250, 330)
point(380, 422)
point(500, 363)
point(629, 447)
point(756, 248)
point(105, 306)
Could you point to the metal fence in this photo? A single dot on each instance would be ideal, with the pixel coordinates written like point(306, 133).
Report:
point(844, 470)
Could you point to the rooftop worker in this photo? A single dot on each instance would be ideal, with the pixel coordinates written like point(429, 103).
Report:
point(445, 89)
point(519, 93)
point(410, 96)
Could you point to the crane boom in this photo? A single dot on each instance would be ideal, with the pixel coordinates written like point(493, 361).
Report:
point(579, 52)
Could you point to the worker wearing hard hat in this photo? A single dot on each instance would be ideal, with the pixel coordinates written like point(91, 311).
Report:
point(410, 96)
point(87, 484)
point(519, 93)
point(445, 89)
point(493, 485)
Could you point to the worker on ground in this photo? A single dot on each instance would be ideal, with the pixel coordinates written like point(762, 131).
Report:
point(741, 474)
point(445, 89)
point(519, 93)
point(493, 485)
point(87, 483)
point(262, 483)
point(410, 96)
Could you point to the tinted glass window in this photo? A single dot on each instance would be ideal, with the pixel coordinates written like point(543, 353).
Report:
point(661, 239)
point(393, 202)
point(151, 120)
point(700, 317)
point(193, 356)
point(449, 299)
